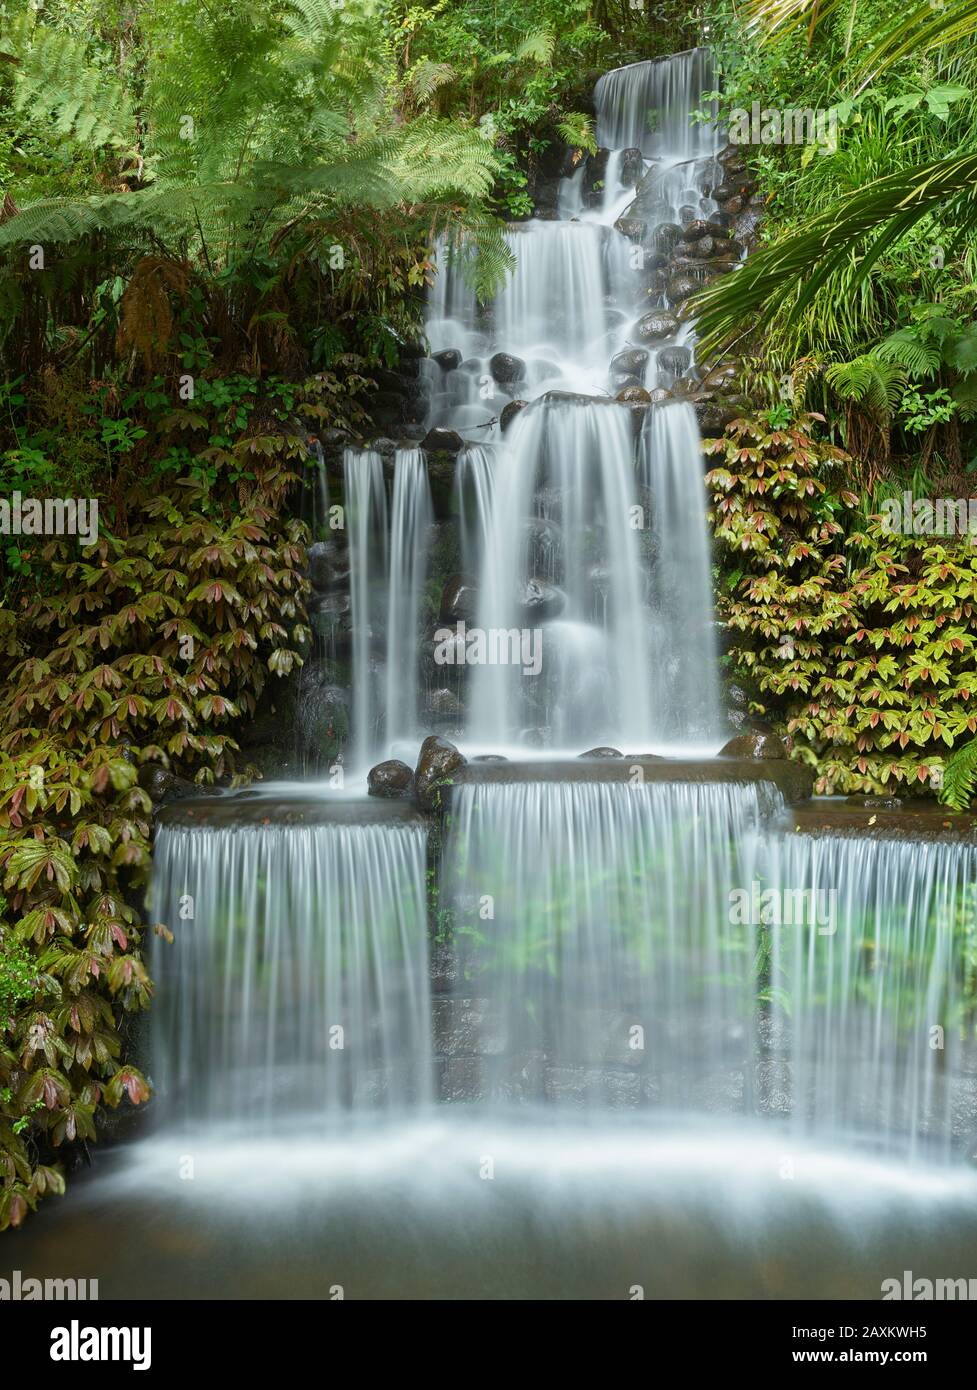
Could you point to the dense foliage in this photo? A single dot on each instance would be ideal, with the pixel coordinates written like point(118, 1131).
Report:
point(861, 642)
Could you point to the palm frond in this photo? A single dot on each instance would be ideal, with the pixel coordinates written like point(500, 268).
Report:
point(854, 232)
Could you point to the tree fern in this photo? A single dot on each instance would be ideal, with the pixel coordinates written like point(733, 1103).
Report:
point(54, 80)
point(960, 778)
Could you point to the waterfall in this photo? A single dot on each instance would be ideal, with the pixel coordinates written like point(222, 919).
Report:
point(872, 1009)
point(647, 106)
point(684, 657)
point(412, 515)
point(299, 984)
point(573, 577)
point(670, 944)
point(366, 523)
point(474, 482)
point(608, 951)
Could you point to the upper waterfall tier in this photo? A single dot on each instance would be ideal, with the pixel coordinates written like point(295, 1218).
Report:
point(588, 286)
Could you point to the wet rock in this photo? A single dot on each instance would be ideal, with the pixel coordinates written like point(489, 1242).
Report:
point(682, 285)
point(734, 205)
point(632, 361)
point(631, 227)
point(448, 359)
point(505, 368)
point(437, 760)
point(721, 377)
point(459, 599)
point(328, 565)
point(321, 710)
point(753, 746)
point(675, 360)
point(667, 235)
point(509, 413)
point(489, 758)
point(390, 779)
point(659, 395)
point(655, 327)
point(634, 395)
point(602, 753)
point(713, 417)
point(442, 704)
point(541, 601)
point(161, 785)
point(624, 383)
point(631, 167)
point(442, 441)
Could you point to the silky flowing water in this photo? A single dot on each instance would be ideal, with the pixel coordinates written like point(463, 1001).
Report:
point(596, 1039)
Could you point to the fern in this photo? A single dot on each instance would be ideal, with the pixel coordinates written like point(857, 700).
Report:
point(54, 80)
point(578, 130)
point(873, 384)
point(536, 47)
point(911, 348)
point(960, 778)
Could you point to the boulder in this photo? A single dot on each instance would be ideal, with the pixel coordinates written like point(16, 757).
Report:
point(632, 361)
point(509, 413)
point(631, 227)
point(634, 395)
point(631, 167)
point(675, 360)
point(656, 326)
point(506, 368)
point(667, 235)
point(161, 785)
point(602, 752)
point(390, 779)
point(682, 285)
point(437, 760)
point(448, 359)
point(755, 745)
point(328, 565)
point(442, 441)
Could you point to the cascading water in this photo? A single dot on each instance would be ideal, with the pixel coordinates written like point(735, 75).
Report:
point(366, 525)
point(316, 940)
point(412, 516)
point(671, 944)
point(595, 543)
point(581, 585)
point(608, 950)
point(648, 104)
point(684, 692)
point(875, 1005)
point(590, 950)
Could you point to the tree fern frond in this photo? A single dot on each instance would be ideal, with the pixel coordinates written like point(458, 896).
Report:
point(910, 349)
point(960, 778)
point(54, 79)
point(578, 129)
point(536, 47)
